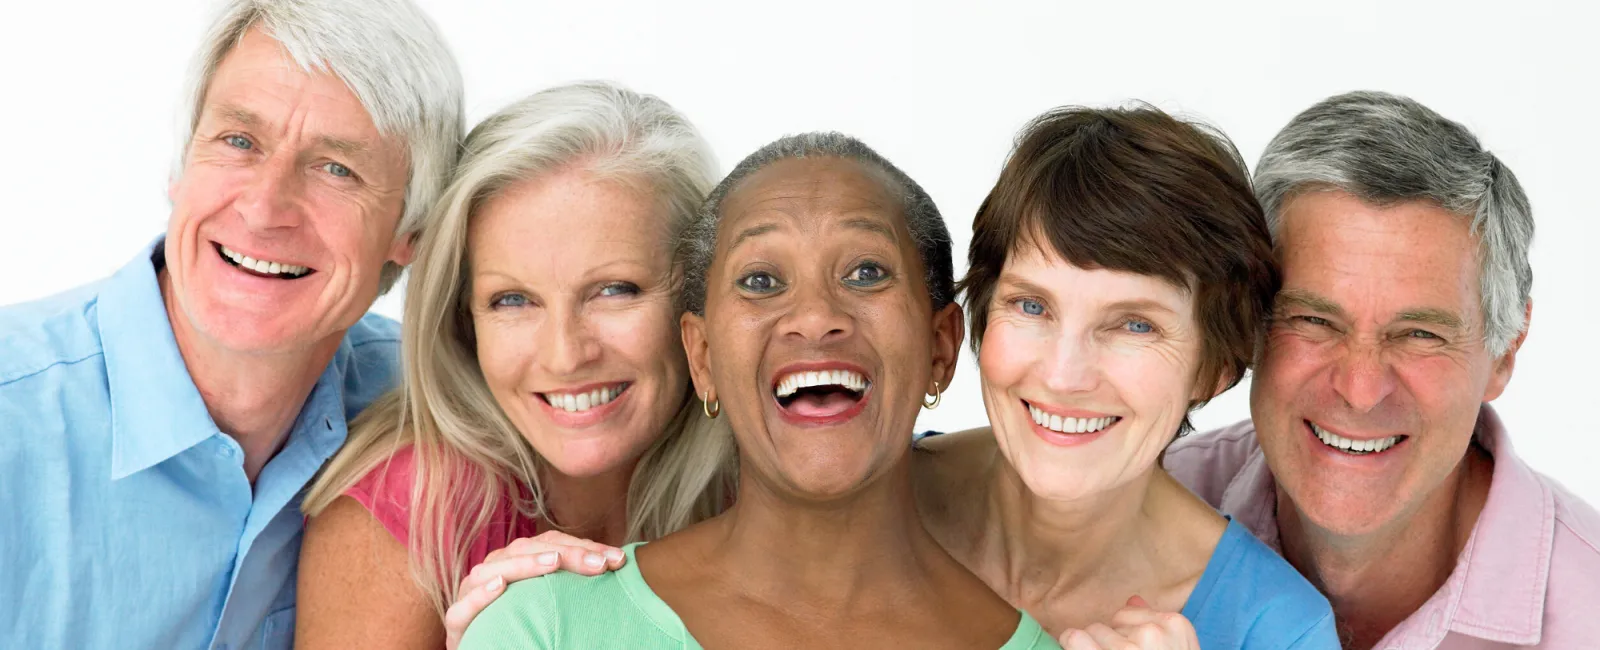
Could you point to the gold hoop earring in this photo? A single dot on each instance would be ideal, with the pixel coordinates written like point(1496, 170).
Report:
point(706, 405)
point(936, 397)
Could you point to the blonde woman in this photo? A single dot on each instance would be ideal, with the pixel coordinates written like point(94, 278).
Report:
point(546, 388)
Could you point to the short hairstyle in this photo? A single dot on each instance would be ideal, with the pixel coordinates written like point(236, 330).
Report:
point(928, 232)
point(1135, 190)
point(1386, 149)
point(387, 52)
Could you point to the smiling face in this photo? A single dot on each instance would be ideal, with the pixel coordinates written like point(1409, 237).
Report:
point(574, 317)
point(1375, 365)
point(1086, 373)
point(819, 337)
point(286, 209)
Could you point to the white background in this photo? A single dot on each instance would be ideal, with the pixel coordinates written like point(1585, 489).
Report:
point(90, 90)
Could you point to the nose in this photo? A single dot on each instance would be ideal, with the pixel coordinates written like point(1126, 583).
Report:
point(816, 316)
point(1362, 379)
point(566, 344)
point(1072, 365)
point(272, 197)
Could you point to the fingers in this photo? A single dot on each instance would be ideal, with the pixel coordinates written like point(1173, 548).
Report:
point(603, 557)
point(1096, 637)
point(1135, 627)
point(461, 613)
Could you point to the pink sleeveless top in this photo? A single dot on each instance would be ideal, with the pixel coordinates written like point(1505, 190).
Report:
point(386, 493)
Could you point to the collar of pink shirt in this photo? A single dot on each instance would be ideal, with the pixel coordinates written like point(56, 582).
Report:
point(1502, 586)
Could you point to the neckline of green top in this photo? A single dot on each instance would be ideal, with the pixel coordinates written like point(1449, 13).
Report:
point(1027, 637)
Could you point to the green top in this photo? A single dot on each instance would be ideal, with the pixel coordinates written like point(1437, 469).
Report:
point(615, 610)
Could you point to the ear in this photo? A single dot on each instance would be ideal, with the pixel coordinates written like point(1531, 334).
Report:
point(949, 330)
point(698, 349)
point(1501, 374)
point(403, 249)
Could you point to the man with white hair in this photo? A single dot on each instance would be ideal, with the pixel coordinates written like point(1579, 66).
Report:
point(157, 427)
point(1373, 462)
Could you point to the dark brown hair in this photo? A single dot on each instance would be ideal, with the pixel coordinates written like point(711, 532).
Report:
point(1135, 190)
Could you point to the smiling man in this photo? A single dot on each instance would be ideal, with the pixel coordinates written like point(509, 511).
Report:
point(157, 427)
point(1374, 462)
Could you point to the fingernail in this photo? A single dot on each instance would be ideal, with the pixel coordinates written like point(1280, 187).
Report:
point(614, 555)
point(594, 560)
point(497, 583)
point(548, 559)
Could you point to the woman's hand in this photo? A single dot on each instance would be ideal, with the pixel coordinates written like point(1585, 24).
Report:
point(528, 557)
point(1136, 625)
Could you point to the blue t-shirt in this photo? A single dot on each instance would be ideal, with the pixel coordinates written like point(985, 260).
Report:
point(1251, 598)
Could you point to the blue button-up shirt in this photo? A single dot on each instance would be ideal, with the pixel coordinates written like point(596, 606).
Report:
point(126, 518)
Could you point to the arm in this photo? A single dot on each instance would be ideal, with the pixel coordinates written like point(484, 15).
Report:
point(355, 587)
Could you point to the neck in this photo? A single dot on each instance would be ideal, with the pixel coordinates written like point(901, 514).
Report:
point(1376, 580)
point(590, 507)
point(837, 552)
point(1046, 548)
point(253, 398)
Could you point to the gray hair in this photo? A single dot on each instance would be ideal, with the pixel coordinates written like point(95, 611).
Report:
point(1386, 149)
point(699, 242)
point(387, 52)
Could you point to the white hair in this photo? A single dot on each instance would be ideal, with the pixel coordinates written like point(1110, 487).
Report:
point(387, 52)
point(1385, 149)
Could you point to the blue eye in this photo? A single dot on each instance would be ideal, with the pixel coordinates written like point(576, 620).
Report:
point(1031, 307)
point(509, 300)
point(866, 275)
point(1314, 320)
point(619, 289)
point(760, 282)
point(1423, 334)
point(338, 170)
point(1139, 327)
point(239, 142)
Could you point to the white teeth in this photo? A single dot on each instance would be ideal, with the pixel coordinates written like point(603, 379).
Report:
point(264, 266)
point(791, 383)
point(1354, 446)
point(1069, 425)
point(575, 402)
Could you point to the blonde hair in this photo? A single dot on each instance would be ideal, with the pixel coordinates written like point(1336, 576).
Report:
point(469, 459)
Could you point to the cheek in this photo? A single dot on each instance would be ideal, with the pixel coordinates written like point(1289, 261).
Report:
point(648, 341)
point(504, 350)
point(1007, 354)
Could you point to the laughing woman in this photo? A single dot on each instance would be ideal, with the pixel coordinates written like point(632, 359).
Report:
point(1120, 274)
point(820, 291)
point(546, 386)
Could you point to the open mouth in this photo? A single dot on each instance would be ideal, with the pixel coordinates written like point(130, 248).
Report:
point(821, 394)
point(1353, 446)
point(262, 268)
point(587, 400)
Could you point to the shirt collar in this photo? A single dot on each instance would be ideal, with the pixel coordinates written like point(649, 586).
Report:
point(156, 411)
point(1497, 589)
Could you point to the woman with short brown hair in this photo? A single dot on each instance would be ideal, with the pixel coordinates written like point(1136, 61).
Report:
point(1119, 275)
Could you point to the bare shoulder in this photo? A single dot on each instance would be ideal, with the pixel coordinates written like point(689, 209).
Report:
point(945, 467)
point(355, 587)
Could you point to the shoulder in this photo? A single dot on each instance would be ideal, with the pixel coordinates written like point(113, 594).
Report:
point(385, 491)
point(1573, 590)
point(949, 459)
point(1207, 463)
point(60, 330)
point(373, 366)
point(545, 612)
point(1260, 600)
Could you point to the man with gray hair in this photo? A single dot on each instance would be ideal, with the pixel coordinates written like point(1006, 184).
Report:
point(157, 427)
point(1373, 462)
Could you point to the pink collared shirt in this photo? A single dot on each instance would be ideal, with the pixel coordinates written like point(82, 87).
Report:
point(1529, 576)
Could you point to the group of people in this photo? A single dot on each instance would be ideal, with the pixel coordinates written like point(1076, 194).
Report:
point(634, 403)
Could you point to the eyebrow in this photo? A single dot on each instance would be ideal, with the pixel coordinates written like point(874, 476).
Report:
point(234, 113)
point(1302, 298)
point(1432, 316)
point(871, 225)
point(752, 232)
